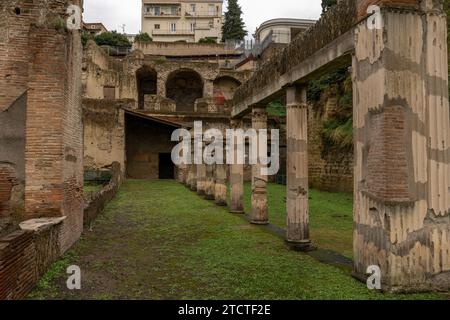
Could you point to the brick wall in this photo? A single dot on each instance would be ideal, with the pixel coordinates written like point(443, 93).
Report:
point(15, 19)
point(24, 257)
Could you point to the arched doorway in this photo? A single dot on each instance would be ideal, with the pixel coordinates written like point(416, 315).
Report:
point(184, 86)
point(146, 83)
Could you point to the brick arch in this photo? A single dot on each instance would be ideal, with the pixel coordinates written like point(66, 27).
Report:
point(184, 86)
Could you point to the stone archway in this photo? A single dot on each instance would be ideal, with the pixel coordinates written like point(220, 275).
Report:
point(184, 86)
point(146, 79)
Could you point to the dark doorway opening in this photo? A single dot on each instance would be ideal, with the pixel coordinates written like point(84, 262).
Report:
point(149, 147)
point(146, 84)
point(166, 166)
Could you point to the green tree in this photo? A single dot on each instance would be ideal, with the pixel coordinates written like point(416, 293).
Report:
point(85, 37)
point(327, 4)
point(143, 37)
point(207, 40)
point(234, 26)
point(112, 39)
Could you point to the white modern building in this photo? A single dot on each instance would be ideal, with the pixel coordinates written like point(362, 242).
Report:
point(182, 20)
point(281, 30)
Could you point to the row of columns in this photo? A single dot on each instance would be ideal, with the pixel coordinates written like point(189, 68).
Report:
point(210, 181)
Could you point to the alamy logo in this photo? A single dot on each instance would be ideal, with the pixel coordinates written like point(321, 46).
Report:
point(74, 18)
point(211, 147)
point(375, 20)
point(74, 280)
point(374, 280)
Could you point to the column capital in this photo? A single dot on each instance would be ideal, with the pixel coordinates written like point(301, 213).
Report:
point(236, 123)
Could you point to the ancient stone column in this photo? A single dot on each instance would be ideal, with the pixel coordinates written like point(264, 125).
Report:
point(201, 179)
point(402, 146)
point(236, 178)
point(297, 229)
point(187, 173)
point(220, 188)
point(259, 213)
point(209, 183)
point(193, 181)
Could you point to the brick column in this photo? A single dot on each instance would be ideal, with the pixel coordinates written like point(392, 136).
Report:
point(297, 231)
point(402, 142)
point(260, 213)
point(193, 181)
point(209, 182)
point(220, 188)
point(54, 131)
point(201, 179)
point(236, 178)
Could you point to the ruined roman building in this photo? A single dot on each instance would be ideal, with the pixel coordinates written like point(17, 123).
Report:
point(398, 59)
point(131, 105)
point(182, 20)
point(41, 139)
point(70, 113)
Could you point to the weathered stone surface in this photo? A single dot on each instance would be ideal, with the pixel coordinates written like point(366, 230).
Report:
point(260, 213)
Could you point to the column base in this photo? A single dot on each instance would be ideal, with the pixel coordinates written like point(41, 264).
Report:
point(303, 245)
point(209, 197)
point(259, 222)
point(237, 211)
point(221, 203)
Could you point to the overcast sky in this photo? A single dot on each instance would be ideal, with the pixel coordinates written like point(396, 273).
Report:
point(115, 13)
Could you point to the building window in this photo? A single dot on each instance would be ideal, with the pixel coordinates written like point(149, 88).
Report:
point(211, 9)
point(193, 26)
point(157, 11)
point(173, 27)
point(174, 11)
point(193, 8)
point(211, 24)
point(157, 26)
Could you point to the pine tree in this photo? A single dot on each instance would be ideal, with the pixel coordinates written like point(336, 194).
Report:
point(327, 4)
point(233, 27)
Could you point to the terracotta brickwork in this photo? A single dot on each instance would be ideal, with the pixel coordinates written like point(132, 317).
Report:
point(39, 55)
point(25, 256)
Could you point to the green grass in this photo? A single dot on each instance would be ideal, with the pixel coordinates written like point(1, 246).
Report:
point(331, 216)
point(157, 240)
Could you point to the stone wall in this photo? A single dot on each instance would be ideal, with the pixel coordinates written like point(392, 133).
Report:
point(331, 172)
point(100, 71)
point(104, 132)
point(96, 202)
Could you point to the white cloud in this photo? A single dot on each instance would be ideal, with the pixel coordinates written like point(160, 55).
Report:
point(115, 13)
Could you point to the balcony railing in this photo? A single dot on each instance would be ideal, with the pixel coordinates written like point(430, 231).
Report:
point(163, 14)
point(160, 32)
point(202, 14)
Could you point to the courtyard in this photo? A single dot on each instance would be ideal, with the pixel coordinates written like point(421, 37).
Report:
point(158, 240)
